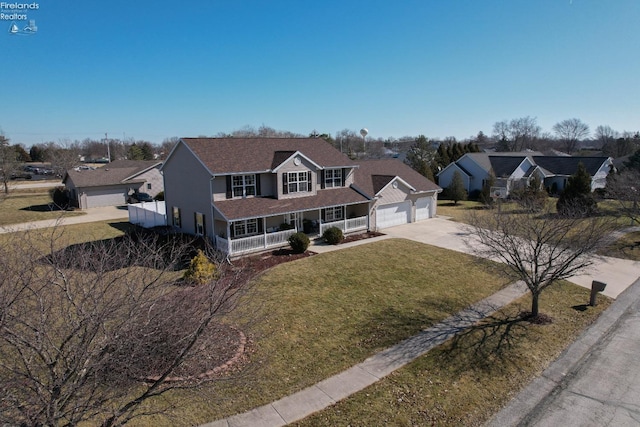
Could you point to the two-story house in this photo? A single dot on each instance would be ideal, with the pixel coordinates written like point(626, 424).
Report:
point(249, 194)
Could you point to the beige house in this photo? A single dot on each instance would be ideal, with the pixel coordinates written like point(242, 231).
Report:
point(250, 194)
point(111, 184)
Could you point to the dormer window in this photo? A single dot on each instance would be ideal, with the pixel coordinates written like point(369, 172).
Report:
point(333, 178)
point(296, 182)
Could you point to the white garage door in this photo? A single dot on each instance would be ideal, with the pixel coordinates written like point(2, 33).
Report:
point(423, 208)
point(105, 197)
point(395, 214)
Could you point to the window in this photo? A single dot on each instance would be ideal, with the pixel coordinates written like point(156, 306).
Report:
point(333, 178)
point(244, 185)
point(245, 228)
point(297, 182)
point(333, 214)
point(199, 224)
point(177, 222)
point(148, 186)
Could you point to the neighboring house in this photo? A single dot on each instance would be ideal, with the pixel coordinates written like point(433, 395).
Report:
point(111, 184)
point(250, 194)
point(514, 170)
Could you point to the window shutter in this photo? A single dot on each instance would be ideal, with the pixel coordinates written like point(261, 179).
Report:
point(322, 215)
point(343, 179)
point(258, 192)
point(309, 186)
point(322, 178)
point(260, 225)
point(229, 189)
point(232, 230)
point(285, 184)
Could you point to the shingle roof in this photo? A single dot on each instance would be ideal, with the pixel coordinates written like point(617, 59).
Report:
point(253, 207)
point(503, 166)
point(114, 173)
point(236, 155)
point(562, 165)
point(373, 175)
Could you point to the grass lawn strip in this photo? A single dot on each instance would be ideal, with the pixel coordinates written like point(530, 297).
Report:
point(26, 207)
point(467, 380)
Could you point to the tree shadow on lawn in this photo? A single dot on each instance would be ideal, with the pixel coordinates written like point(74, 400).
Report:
point(390, 326)
point(48, 207)
point(486, 345)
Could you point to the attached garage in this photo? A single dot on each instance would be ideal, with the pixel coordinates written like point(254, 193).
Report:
point(394, 214)
point(423, 208)
point(97, 198)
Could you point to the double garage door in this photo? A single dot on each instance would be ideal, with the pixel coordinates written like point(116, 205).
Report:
point(400, 213)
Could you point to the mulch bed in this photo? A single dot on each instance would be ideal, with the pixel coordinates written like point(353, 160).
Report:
point(223, 348)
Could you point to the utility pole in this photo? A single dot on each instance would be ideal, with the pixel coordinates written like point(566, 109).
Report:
point(106, 139)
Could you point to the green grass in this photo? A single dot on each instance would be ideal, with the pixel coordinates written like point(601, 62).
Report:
point(26, 207)
point(312, 318)
point(627, 247)
point(70, 234)
point(467, 380)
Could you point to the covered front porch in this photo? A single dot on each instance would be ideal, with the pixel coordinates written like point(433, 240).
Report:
point(263, 233)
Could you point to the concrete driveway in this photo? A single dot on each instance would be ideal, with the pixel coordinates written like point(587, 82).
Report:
point(618, 274)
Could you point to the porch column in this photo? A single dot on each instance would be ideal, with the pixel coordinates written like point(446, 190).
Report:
point(264, 230)
point(319, 222)
point(228, 238)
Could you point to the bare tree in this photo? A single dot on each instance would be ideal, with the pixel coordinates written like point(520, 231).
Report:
point(571, 132)
point(90, 332)
point(538, 249)
point(516, 134)
point(625, 188)
point(605, 135)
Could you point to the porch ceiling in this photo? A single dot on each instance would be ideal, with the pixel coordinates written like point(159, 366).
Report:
point(252, 207)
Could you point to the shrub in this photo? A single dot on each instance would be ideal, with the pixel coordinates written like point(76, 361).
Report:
point(284, 226)
point(60, 197)
point(200, 270)
point(332, 235)
point(299, 242)
point(159, 196)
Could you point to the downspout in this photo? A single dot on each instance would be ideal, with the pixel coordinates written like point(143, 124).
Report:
point(213, 223)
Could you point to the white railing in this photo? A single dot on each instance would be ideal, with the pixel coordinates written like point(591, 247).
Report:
point(346, 225)
point(253, 243)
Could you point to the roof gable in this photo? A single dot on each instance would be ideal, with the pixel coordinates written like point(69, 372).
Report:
point(243, 155)
point(373, 176)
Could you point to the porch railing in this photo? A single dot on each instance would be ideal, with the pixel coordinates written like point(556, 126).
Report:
point(253, 243)
point(346, 225)
point(279, 238)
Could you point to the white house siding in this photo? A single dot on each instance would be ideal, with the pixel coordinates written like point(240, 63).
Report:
point(289, 166)
point(187, 186)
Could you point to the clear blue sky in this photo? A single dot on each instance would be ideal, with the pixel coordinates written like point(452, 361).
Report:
point(156, 69)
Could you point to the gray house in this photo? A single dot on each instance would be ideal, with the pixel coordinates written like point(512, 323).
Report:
point(514, 170)
point(111, 184)
point(250, 194)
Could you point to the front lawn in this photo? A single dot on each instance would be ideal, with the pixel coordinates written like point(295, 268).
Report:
point(467, 380)
point(315, 317)
point(26, 207)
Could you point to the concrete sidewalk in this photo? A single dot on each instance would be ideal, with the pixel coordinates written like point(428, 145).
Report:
point(107, 213)
point(595, 382)
point(325, 393)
